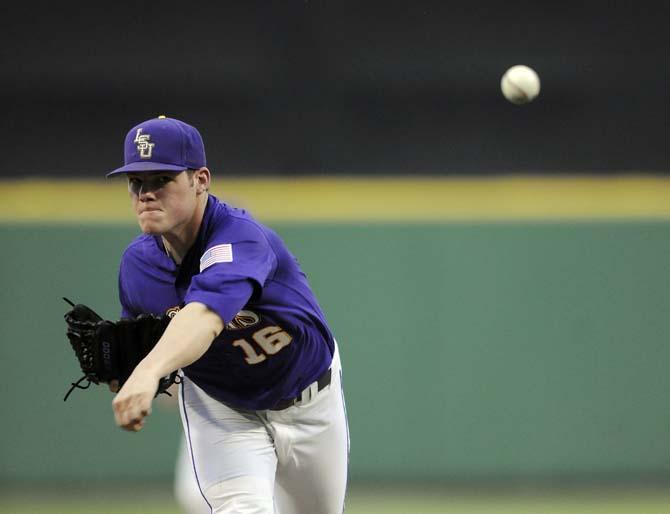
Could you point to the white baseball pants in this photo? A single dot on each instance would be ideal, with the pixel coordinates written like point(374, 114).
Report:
point(292, 461)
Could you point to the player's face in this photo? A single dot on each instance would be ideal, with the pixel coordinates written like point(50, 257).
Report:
point(164, 202)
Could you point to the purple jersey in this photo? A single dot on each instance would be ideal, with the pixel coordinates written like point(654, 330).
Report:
point(276, 340)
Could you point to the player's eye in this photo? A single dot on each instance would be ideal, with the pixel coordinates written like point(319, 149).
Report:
point(134, 185)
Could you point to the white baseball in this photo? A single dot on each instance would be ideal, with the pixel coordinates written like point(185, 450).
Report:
point(520, 84)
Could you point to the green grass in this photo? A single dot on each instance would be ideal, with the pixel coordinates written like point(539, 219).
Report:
point(525, 503)
point(364, 501)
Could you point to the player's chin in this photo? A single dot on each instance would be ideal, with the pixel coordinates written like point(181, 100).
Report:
point(151, 227)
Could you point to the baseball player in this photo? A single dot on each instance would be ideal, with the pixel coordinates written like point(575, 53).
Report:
point(260, 396)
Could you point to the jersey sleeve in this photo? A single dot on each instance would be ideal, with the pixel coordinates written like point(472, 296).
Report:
point(126, 309)
point(233, 265)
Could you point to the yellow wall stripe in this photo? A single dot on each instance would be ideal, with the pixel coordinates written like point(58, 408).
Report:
point(364, 199)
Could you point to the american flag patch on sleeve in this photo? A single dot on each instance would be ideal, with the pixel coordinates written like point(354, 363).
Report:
point(218, 253)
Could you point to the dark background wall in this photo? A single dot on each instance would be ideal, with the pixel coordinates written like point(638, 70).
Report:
point(337, 87)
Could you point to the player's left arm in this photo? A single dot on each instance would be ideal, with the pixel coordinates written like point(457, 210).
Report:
point(186, 339)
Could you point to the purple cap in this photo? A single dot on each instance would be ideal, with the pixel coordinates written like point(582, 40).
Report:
point(162, 144)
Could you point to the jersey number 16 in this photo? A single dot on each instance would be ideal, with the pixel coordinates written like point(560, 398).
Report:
point(269, 339)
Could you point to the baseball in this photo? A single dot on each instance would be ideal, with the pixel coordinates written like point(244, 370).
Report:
point(520, 84)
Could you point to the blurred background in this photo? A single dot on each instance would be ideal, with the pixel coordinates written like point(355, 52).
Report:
point(496, 275)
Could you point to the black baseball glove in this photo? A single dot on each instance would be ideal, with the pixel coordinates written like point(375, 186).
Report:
point(110, 350)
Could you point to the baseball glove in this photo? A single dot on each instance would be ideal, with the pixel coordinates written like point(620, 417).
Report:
point(110, 350)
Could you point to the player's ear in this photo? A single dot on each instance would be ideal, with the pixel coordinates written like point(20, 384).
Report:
point(202, 178)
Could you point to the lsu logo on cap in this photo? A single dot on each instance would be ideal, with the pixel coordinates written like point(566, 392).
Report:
point(144, 147)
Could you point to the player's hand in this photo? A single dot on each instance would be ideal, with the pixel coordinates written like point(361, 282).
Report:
point(133, 402)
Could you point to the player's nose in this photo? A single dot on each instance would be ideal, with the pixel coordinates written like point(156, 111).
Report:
point(146, 192)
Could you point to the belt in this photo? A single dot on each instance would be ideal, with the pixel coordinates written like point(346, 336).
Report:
point(319, 384)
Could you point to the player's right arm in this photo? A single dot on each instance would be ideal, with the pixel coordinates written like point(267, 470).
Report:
point(186, 339)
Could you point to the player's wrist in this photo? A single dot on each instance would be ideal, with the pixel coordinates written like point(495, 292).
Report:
point(151, 370)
